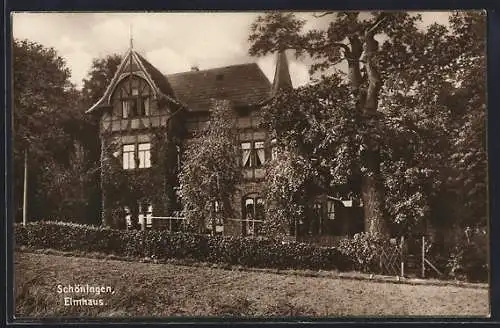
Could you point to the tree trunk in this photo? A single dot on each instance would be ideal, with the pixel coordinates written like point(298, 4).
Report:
point(25, 189)
point(372, 193)
point(134, 215)
point(106, 214)
point(372, 184)
point(372, 187)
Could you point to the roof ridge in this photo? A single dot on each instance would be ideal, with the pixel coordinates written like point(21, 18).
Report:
point(213, 69)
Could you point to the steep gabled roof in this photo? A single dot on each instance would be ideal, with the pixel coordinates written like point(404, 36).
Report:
point(158, 78)
point(134, 63)
point(242, 84)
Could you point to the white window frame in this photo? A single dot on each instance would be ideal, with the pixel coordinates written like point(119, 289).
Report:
point(144, 155)
point(128, 156)
point(331, 215)
point(253, 154)
point(252, 222)
point(274, 149)
point(246, 159)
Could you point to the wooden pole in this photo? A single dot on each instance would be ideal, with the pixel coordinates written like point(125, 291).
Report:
point(402, 250)
point(296, 229)
point(423, 256)
point(25, 191)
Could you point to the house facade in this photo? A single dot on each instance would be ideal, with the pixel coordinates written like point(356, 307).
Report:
point(143, 110)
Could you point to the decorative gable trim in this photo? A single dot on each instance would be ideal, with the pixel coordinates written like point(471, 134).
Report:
point(112, 84)
point(122, 73)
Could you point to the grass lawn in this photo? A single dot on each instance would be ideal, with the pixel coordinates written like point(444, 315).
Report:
point(159, 290)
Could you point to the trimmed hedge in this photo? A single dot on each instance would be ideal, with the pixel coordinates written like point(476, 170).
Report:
point(250, 252)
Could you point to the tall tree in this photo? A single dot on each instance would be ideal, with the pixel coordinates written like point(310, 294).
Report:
point(99, 77)
point(44, 101)
point(352, 38)
point(210, 171)
point(86, 127)
point(414, 102)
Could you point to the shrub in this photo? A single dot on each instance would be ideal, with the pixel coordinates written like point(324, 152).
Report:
point(469, 258)
point(250, 252)
point(364, 250)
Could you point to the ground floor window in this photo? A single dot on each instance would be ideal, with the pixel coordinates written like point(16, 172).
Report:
point(253, 215)
point(216, 221)
point(145, 215)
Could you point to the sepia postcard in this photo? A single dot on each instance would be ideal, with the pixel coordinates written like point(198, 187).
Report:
point(249, 165)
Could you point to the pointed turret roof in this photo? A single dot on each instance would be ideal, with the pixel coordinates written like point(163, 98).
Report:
point(282, 78)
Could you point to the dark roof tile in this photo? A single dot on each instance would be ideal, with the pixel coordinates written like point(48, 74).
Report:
point(158, 78)
point(243, 84)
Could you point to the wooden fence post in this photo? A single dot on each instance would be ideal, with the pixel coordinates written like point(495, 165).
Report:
point(402, 248)
point(25, 191)
point(423, 256)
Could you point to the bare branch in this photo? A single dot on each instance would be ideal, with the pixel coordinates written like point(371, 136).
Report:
point(339, 61)
point(380, 19)
point(323, 14)
point(345, 47)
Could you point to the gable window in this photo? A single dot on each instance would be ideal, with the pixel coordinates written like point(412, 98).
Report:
point(145, 105)
point(125, 108)
point(144, 154)
point(253, 154)
point(135, 98)
point(253, 215)
point(128, 157)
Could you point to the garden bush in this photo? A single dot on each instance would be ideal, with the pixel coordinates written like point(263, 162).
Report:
point(364, 250)
point(468, 259)
point(163, 245)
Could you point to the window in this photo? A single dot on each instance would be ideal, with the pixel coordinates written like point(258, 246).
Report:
point(253, 154)
point(125, 108)
point(144, 154)
point(331, 209)
point(260, 157)
point(246, 152)
point(144, 215)
point(135, 98)
point(216, 220)
point(130, 108)
point(317, 222)
point(145, 105)
point(128, 157)
point(253, 215)
point(274, 149)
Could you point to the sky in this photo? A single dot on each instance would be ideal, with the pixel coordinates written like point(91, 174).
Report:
point(173, 42)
